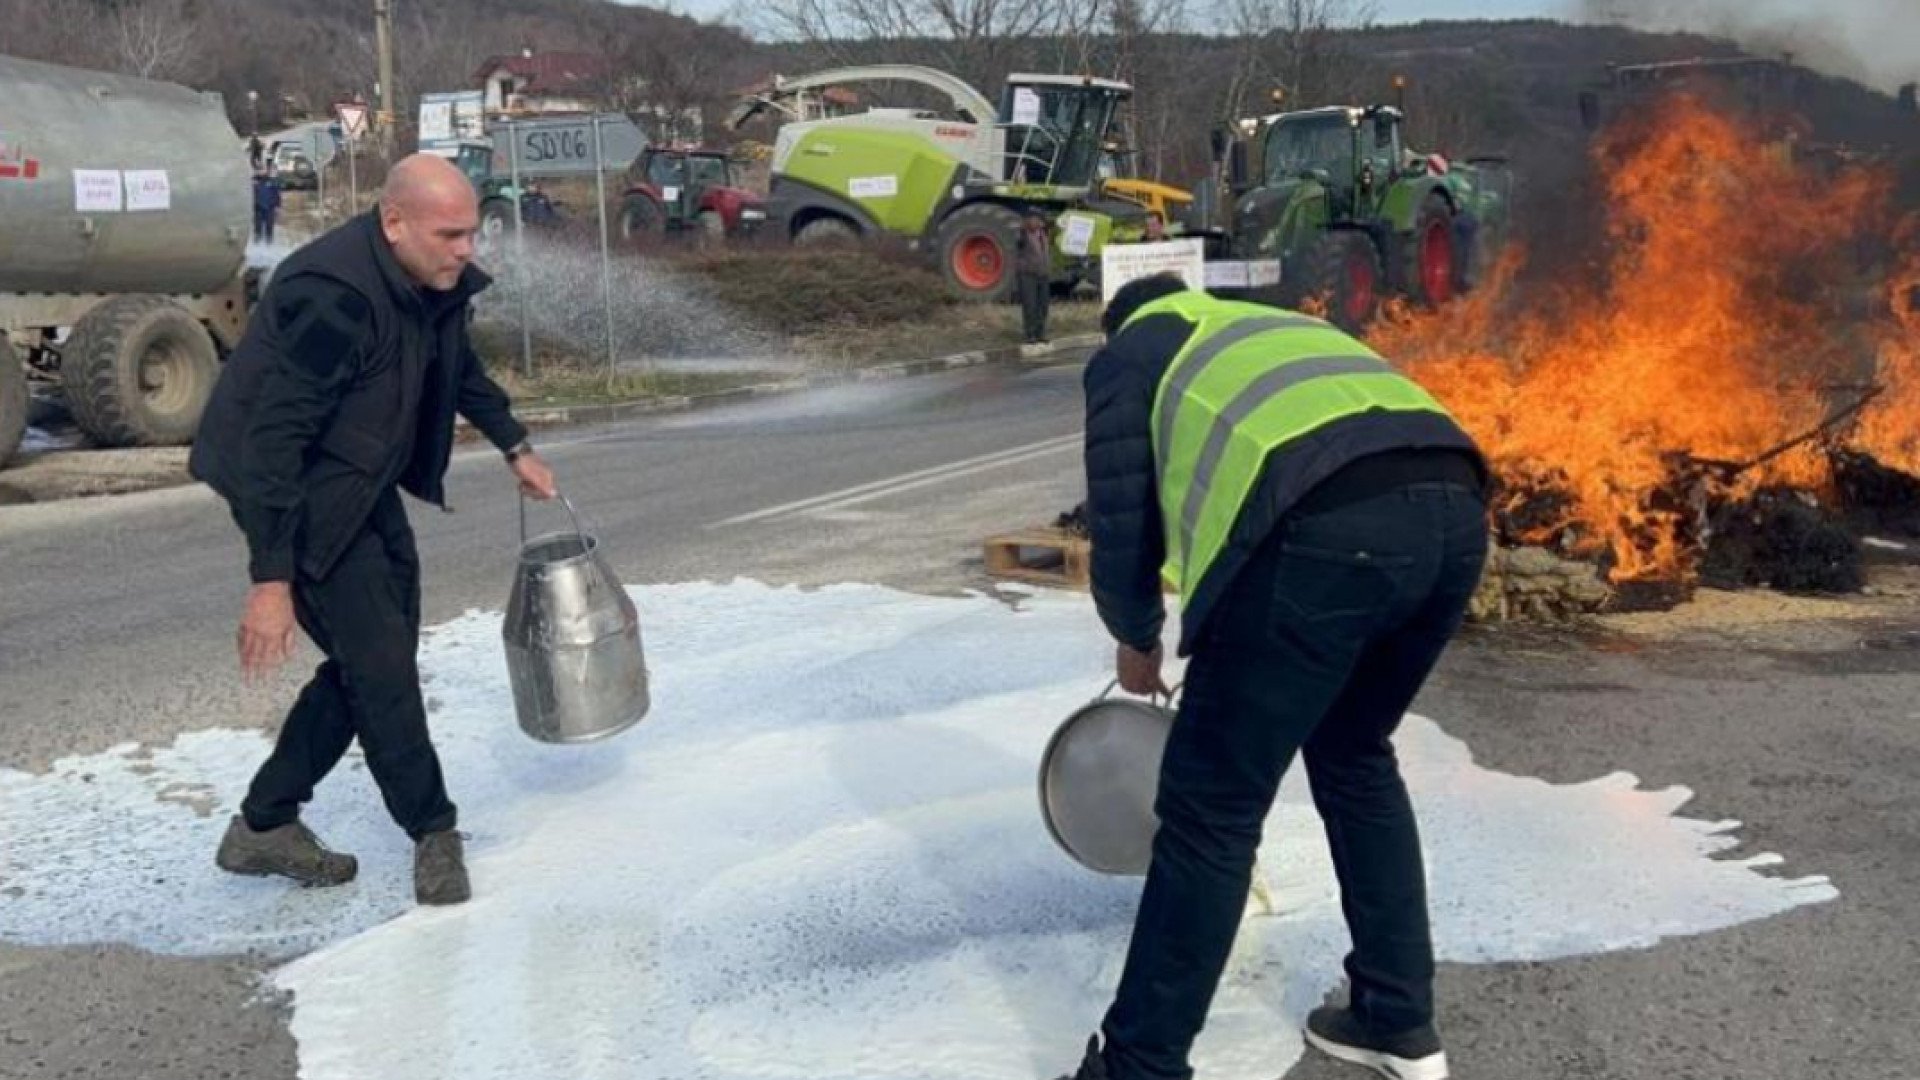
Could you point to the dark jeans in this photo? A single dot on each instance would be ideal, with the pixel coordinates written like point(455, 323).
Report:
point(1320, 646)
point(263, 225)
point(1036, 293)
point(365, 616)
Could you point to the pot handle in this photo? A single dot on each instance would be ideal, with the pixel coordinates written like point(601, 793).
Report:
point(571, 512)
point(1172, 692)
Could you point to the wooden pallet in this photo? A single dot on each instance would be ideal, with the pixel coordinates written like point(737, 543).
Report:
point(1040, 556)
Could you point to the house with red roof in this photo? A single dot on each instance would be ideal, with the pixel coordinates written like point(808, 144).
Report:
point(533, 83)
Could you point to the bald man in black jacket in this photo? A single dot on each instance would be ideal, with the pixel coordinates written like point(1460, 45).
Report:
point(342, 395)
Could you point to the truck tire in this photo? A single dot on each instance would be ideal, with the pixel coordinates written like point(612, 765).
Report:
point(827, 232)
point(1344, 273)
point(137, 371)
point(976, 246)
point(1434, 268)
point(13, 402)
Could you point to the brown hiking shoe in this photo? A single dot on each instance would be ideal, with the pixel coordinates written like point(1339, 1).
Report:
point(290, 851)
point(440, 869)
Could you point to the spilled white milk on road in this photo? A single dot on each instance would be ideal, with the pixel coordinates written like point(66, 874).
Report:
point(820, 856)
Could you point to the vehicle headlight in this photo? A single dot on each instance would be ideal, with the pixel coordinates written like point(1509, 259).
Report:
point(751, 214)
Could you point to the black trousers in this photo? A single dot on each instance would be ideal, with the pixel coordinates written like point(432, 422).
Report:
point(365, 616)
point(1319, 648)
point(263, 225)
point(1036, 293)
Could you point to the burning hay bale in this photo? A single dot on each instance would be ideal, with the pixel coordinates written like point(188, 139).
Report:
point(1877, 499)
point(1534, 585)
point(1783, 539)
point(1667, 416)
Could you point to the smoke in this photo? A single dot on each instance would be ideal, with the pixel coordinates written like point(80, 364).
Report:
point(1875, 42)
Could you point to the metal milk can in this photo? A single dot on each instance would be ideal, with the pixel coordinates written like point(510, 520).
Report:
point(573, 640)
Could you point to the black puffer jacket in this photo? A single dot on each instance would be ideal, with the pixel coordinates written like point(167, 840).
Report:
point(1123, 505)
point(346, 382)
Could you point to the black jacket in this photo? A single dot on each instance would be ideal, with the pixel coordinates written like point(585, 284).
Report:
point(346, 381)
point(1123, 504)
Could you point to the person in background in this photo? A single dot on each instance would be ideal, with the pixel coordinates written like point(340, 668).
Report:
point(1324, 521)
point(341, 396)
point(1033, 277)
point(266, 203)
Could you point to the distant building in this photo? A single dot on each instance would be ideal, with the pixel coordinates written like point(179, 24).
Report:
point(814, 105)
point(532, 83)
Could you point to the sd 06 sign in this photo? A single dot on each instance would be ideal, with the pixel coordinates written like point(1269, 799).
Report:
point(563, 145)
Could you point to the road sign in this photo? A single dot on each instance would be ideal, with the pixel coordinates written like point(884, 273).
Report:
point(353, 118)
point(563, 145)
point(448, 119)
point(1121, 263)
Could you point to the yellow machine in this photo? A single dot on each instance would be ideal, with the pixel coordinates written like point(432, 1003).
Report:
point(1164, 201)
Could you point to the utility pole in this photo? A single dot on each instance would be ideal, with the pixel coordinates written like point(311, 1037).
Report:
point(383, 44)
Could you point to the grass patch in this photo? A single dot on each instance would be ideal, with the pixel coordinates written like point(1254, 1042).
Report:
point(811, 292)
point(960, 328)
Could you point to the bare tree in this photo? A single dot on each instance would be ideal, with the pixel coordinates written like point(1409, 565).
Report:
point(974, 39)
point(56, 31)
point(1291, 46)
point(677, 73)
point(154, 39)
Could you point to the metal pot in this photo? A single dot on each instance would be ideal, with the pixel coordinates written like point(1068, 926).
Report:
point(573, 640)
point(1098, 779)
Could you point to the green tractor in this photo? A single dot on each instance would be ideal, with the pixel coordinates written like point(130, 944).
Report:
point(953, 182)
point(1353, 216)
point(475, 158)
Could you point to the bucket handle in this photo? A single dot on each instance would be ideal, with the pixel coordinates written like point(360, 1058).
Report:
point(571, 512)
point(1172, 693)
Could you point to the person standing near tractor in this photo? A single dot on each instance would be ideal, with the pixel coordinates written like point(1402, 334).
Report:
point(266, 203)
point(1033, 277)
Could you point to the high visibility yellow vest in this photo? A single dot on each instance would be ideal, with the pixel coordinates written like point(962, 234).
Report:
point(1250, 380)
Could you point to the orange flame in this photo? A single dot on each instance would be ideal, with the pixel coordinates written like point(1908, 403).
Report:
point(1720, 324)
point(1890, 428)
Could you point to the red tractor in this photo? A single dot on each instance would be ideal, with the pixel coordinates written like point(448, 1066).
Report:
point(680, 191)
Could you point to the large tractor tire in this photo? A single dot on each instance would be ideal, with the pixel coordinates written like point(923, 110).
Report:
point(1343, 271)
point(643, 222)
point(827, 232)
point(1434, 270)
point(138, 371)
point(976, 246)
point(13, 402)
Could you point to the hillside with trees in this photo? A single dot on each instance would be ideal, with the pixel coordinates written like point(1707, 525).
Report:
point(1470, 87)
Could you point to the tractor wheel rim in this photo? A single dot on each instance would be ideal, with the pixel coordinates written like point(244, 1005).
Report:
point(978, 263)
point(1360, 287)
point(1436, 263)
point(164, 380)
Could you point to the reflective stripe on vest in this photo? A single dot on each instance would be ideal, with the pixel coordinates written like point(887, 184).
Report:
point(1249, 380)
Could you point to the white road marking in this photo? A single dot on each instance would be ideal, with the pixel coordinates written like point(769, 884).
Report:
point(879, 489)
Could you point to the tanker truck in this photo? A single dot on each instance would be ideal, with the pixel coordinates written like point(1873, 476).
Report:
point(125, 209)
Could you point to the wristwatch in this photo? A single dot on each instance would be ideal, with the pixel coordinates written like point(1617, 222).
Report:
point(516, 453)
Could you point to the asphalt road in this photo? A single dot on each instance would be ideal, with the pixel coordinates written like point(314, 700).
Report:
point(116, 620)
